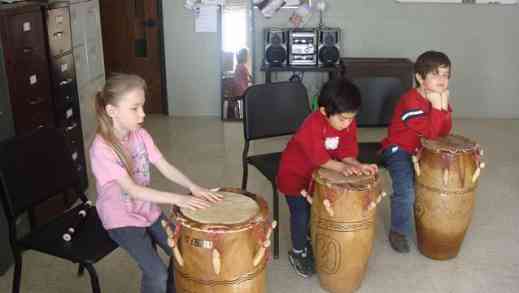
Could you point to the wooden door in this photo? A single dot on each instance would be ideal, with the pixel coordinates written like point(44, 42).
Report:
point(133, 43)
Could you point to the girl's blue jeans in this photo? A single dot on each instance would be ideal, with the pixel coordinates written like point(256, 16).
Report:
point(138, 242)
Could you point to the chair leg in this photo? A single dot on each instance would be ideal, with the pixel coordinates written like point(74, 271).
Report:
point(276, 218)
point(17, 277)
point(94, 281)
point(80, 270)
point(245, 176)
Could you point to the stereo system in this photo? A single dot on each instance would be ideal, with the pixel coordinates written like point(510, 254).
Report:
point(302, 47)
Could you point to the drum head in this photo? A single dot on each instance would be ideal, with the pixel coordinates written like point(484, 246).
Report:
point(235, 208)
point(357, 182)
point(450, 143)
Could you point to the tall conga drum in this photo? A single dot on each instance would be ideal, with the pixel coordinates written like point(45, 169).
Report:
point(223, 248)
point(447, 172)
point(343, 227)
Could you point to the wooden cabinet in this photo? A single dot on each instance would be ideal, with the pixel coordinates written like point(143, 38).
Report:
point(66, 107)
point(26, 64)
point(38, 86)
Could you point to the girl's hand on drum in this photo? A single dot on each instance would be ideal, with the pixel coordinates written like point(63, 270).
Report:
point(206, 194)
point(190, 202)
point(369, 169)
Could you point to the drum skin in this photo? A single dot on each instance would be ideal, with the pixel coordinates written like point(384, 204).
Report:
point(342, 243)
point(237, 246)
point(444, 203)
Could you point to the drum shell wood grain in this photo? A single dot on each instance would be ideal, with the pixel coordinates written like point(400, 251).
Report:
point(342, 243)
point(443, 212)
point(237, 247)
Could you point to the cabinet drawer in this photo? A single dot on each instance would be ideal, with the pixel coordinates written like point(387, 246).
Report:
point(63, 72)
point(68, 116)
point(27, 34)
point(25, 121)
point(58, 28)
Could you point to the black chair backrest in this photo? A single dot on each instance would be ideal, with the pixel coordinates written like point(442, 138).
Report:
point(274, 109)
point(34, 168)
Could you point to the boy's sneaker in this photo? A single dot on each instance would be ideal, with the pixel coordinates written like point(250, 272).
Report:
point(301, 263)
point(310, 253)
point(398, 242)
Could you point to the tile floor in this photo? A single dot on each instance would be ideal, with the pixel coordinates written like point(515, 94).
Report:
point(209, 151)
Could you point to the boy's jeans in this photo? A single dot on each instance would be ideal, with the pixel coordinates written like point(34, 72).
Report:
point(137, 241)
point(400, 166)
point(299, 221)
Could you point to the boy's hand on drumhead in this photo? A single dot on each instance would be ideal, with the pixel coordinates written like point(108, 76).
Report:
point(350, 170)
point(369, 169)
point(205, 193)
point(191, 202)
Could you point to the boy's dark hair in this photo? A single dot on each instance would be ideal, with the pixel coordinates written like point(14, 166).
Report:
point(429, 62)
point(339, 96)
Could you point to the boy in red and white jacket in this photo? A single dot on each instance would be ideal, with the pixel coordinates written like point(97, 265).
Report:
point(421, 112)
point(328, 139)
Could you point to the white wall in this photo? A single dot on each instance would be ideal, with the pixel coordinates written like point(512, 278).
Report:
point(481, 40)
point(192, 65)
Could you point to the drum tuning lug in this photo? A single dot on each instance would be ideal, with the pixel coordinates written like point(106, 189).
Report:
point(416, 165)
point(476, 175)
point(216, 261)
point(274, 224)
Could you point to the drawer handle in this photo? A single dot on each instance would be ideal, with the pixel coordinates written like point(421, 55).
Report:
point(66, 81)
point(58, 35)
point(28, 50)
point(69, 128)
point(35, 101)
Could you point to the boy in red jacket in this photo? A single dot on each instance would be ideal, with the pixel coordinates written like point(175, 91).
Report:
point(421, 112)
point(327, 138)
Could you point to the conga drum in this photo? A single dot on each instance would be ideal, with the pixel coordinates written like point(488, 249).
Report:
point(223, 248)
point(342, 227)
point(447, 172)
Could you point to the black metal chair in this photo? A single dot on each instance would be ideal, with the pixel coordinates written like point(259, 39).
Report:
point(33, 169)
point(270, 110)
point(368, 153)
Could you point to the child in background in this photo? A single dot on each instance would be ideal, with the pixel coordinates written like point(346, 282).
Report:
point(328, 139)
point(421, 112)
point(120, 156)
point(242, 77)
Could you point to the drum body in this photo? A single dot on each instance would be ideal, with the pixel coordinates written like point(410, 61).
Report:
point(445, 188)
point(218, 257)
point(343, 236)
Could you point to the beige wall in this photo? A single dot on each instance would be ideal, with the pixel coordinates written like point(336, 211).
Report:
point(482, 41)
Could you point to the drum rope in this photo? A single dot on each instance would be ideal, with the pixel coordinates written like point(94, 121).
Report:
point(212, 283)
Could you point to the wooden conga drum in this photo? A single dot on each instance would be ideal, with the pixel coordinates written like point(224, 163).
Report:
point(447, 172)
point(223, 248)
point(343, 227)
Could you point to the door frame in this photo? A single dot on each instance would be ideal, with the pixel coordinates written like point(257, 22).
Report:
point(162, 53)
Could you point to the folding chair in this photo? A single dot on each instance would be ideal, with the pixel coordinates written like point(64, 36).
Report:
point(271, 110)
point(33, 169)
